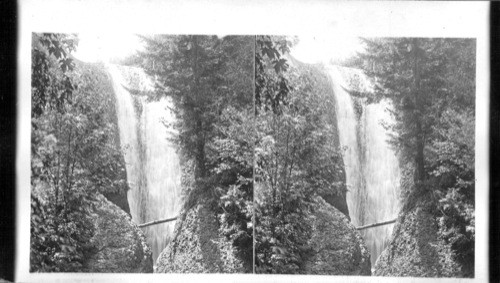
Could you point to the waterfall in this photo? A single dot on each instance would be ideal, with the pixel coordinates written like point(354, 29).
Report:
point(371, 166)
point(153, 170)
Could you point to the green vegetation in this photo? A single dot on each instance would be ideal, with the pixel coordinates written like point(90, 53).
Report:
point(74, 155)
point(296, 155)
point(210, 82)
point(431, 83)
point(276, 121)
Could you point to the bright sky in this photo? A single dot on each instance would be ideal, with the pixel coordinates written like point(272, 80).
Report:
point(323, 48)
point(94, 47)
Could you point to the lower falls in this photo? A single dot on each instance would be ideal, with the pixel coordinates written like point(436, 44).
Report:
point(371, 165)
point(152, 164)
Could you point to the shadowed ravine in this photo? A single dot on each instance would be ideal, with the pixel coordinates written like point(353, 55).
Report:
point(372, 169)
point(153, 170)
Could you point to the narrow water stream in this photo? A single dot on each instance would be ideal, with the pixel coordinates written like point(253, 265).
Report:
point(372, 168)
point(153, 170)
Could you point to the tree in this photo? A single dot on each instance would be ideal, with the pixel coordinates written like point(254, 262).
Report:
point(271, 91)
point(430, 83)
point(48, 51)
point(295, 156)
point(193, 70)
point(209, 80)
point(410, 73)
point(233, 153)
point(75, 153)
point(451, 162)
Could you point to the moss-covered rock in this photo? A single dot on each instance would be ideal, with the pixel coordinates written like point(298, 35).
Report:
point(119, 199)
point(337, 247)
point(197, 246)
point(416, 249)
point(322, 84)
point(120, 246)
point(337, 200)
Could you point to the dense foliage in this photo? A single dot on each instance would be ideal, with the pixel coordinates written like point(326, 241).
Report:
point(210, 82)
point(431, 83)
point(276, 123)
point(296, 158)
point(74, 153)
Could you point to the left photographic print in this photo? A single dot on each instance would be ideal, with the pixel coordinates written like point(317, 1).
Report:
point(141, 153)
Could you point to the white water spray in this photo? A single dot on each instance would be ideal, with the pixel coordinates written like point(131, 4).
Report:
point(371, 166)
point(153, 170)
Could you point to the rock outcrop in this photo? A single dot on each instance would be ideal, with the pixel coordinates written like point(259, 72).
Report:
point(337, 247)
point(321, 82)
point(416, 250)
point(120, 246)
point(337, 200)
point(197, 246)
point(119, 198)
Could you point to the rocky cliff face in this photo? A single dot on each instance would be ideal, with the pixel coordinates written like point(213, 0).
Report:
point(337, 247)
point(416, 249)
point(197, 246)
point(119, 244)
point(322, 83)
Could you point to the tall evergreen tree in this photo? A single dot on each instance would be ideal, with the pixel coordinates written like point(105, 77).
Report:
point(431, 84)
point(209, 80)
point(410, 73)
point(203, 75)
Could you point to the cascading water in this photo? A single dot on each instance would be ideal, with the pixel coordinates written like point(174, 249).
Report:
point(382, 178)
point(153, 170)
point(371, 166)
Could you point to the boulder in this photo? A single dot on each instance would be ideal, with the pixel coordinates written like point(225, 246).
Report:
point(337, 200)
point(336, 246)
point(119, 198)
point(197, 246)
point(415, 249)
point(119, 245)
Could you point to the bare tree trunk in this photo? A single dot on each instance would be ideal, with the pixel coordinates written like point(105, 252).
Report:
point(200, 146)
point(420, 137)
point(376, 224)
point(155, 222)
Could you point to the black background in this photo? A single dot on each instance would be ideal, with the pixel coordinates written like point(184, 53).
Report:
point(8, 69)
point(494, 246)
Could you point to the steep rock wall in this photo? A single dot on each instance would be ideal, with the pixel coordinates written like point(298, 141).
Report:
point(415, 248)
point(197, 246)
point(118, 193)
point(119, 245)
point(336, 246)
point(321, 82)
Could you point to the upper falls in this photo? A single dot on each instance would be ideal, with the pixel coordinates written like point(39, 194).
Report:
point(371, 165)
point(153, 170)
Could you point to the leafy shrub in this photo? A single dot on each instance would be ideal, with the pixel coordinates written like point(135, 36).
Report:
point(74, 153)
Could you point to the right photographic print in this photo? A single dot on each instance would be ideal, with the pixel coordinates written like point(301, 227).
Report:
point(364, 156)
